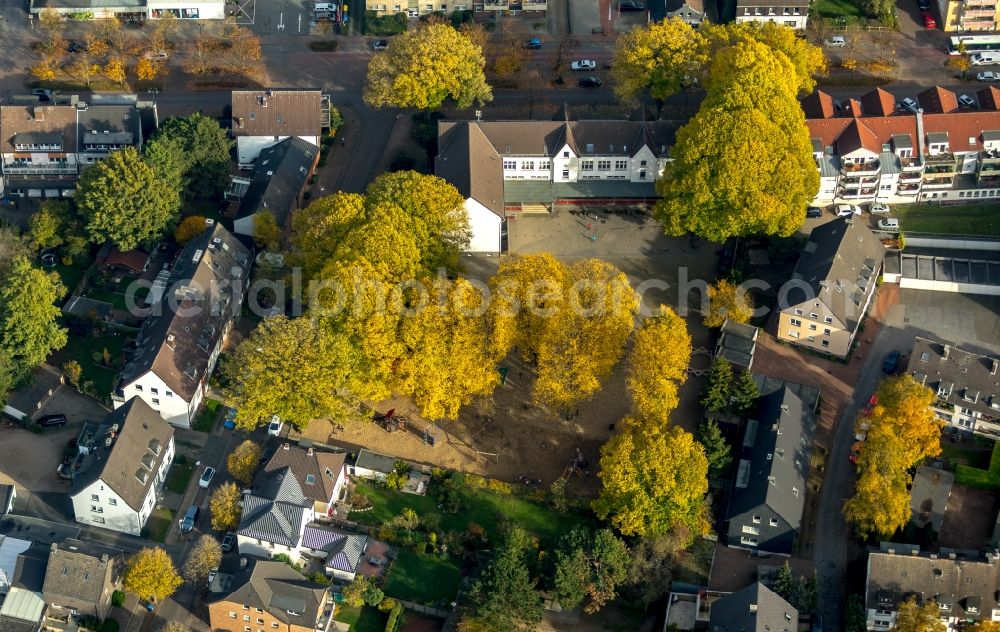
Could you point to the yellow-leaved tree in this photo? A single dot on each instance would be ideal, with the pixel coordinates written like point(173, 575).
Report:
point(150, 574)
point(728, 300)
point(903, 431)
point(919, 618)
point(654, 477)
point(571, 321)
point(224, 506)
point(658, 364)
point(426, 66)
point(662, 57)
point(242, 461)
point(319, 228)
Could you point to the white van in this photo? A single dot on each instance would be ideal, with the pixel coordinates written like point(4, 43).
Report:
point(985, 59)
point(324, 7)
point(890, 223)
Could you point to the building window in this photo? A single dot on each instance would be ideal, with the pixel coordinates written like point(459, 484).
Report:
point(156, 402)
point(154, 391)
point(828, 319)
point(565, 174)
point(246, 628)
point(544, 165)
point(773, 522)
point(527, 165)
point(756, 519)
point(812, 327)
point(798, 312)
point(97, 509)
point(621, 165)
point(232, 615)
point(814, 315)
point(98, 519)
point(603, 165)
point(751, 530)
point(138, 387)
point(795, 492)
point(793, 334)
point(310, 479)
point(168, 394)
point(826, 332)
point(246, 607)
point(509, 164)
point(745, 540)
point(260, 622)
point(565, 154)
point(274, 624)
point(95, 497)
point(586, 165)
point(826, 343)
point(113, 502)
point(246, 617)
point(795, 322)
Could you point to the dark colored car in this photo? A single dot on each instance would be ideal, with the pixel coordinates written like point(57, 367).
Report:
point(228, 542)
point(533, 43)
point(590, 82)
point(924, 5)
point(51, 421)
point(187, 523)
point(891, 362)
point(230, 421)
point(631, 5)
point(380, 44)
point(813, 212)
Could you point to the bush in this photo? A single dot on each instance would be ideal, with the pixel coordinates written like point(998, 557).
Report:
point(117, 599)
point(402, 162)
point(323, 46)
point(395, 620)
point(109, 625)
point(385, 25)
point(458, 18)
point(336, 120)
point(320, 578)
point(387, 604)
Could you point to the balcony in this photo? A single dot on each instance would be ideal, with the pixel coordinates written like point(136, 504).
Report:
point(34, 170)
point(938, 183)
point(986, 13)
point(940, 170)
point(989, 157)
point(857, 194)
point(910, 176)
point(978, 24)
point(908, 189)
point(866, 168)
point(910, 163)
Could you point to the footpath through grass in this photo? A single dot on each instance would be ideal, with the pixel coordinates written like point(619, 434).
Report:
point(971, 219)
point(422, 578)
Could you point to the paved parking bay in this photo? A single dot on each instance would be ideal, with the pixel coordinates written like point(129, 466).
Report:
point(969, 320)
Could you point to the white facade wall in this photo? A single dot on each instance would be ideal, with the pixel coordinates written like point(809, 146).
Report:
point(188, 9)
point(777, 15)
point(42, 161)
point(248, 148)
point(154, 391)
point(263, 548)
point(485, 227)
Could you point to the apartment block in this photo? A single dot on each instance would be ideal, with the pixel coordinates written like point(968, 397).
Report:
point(961, 16)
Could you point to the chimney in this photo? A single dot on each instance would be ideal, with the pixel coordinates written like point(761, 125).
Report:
point(947, 350)
point(309, 451)
point(993, 367)
point(753, 608)
point(38, 113)
point(285, 446)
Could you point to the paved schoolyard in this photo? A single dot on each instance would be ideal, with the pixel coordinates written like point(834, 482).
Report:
point(969, 320)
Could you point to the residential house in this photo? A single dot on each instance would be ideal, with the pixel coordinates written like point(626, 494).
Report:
point(132, 11)
point(281, 174)
point(270, 596)
point(831, 288)
point(320, 475)
point(691, 11)
point(8, 494)
point(341, 552)
point(180, 341)
point(964, 587)
point(966, 384)
point(792, 13)
point(23, 608)
point(963, 16)
point(765, 509)
point(372, 465)
point(46, 145)
point(427, 7)
point(121, 466)
point(871, 149)
point(133, 262)
point(534, 8)
point(263, 118)
point(513, 167)
point(187, 9)
point(10, 549)
point(24, 403)
point(275, 513)
point(80, 578)
point(755, 608)
point(929, 496)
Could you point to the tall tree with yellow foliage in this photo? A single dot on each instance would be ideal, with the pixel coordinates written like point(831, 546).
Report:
point(658, 364)
point(150, 574)
point(654, 478)
point(661, 57)
point(919, 618)
point(728, 300)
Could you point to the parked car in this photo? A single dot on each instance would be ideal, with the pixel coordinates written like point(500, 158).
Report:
point(42, 94)
point(583, 64)
point(51, 421)
point(837, 41)
point(846, 210)
point(880, 208)
point(211, 575)
point(534, 43)
point(76, 47)
point(929, 21)
point(274, 428)
point(924, 5)
point(206, 477)
point(631, 5)
point(907, 104)
point(228, 542)
point(890, 223)
point(376, 561)
point(380, 44)
point(230, 421)
point(590, 82)
point(190, 517)
point(870, 405)
point(989, 75)
point(156, 54)
point(966, 101)
point(813, 212)
point(891, 362)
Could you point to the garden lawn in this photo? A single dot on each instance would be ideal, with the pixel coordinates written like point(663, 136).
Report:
point(179, 475)
point(838, 8)
point(361, 619)
point(159, 523)
point(972, 219)
point(71, 275)
point(82, 349)
point(422, 578)
point(974, 456)
point(981, 478)
point(207, 415)
point(481, 507)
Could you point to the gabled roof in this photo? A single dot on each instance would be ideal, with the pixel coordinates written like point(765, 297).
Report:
point(878, 102)
point(989, 98)
point(277, 113)
point(673, 6)
point(755, 608)
point(344, 550)
point(937, 100)
point(281, 172)
point(27, 399)
point(130, 464)
point(818, 104)
point(134, 260)
point(959, 582)
point(207, 279)
point(80, 571)
point(315, 472)
point(10, 549)
point(469, 162)
point(38, 119)
point(274, 509)
point(374, 461)
point(109, 124)
point(857, 136)
point(974, 378)
point(776, 447)
point(841, 258)
point(278, 589)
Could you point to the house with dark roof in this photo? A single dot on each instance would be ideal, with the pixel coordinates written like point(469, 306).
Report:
point(691, 11)
point(26, 402)
point(275, 513)
point(755, 608)
point(791, 13)
point(527, 166)
point(281, 173)
point(266, 595)
point(966, 385)
point(80, 578)
point(831, 287)
point(320, 475)
point(765, 509)
point(264, 118)
point(964, 585)
point(372, 465)
point(106, 127)
point(340, 551)
point(23, 607)
point(180, 340)
point(737, 344)
point(120, 466)
point(870, 149)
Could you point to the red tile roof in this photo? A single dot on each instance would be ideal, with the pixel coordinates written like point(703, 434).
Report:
point(938, 100)
point(989, 98)
point(855, 136)
point(818, 105)
point(878, 102)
